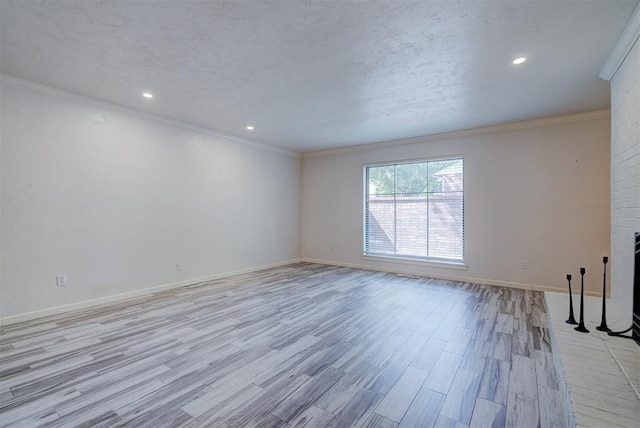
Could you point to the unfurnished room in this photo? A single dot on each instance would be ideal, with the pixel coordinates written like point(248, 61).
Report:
point(320, 213)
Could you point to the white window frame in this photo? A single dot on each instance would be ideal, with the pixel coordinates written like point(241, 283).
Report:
point(402, 258)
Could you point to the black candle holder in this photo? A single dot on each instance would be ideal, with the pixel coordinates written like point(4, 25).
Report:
point(571, 319)
point(581, 328)
point(603, 322)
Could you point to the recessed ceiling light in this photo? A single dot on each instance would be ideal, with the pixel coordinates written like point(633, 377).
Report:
point(147, 95)
point(519, 60)
point(249, 127)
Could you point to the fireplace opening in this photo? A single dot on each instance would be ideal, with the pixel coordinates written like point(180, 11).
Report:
point(635, 333)
point(635, 322)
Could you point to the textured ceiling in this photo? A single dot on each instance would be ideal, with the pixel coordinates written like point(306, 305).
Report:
point(314, 75)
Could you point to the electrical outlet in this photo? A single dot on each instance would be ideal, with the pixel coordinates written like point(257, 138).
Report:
point(179, 266)
point(61, 280)
point(525, 264)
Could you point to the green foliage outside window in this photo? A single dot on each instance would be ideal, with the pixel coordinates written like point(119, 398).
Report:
point(410, 178)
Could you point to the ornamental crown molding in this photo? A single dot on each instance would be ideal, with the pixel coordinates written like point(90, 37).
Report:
point(627, 40)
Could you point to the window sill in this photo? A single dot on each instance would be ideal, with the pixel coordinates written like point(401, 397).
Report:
point(416, 262)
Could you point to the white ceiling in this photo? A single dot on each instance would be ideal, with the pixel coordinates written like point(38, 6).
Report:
point(319, 74)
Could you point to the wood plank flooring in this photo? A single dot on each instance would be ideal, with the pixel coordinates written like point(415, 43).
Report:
point(303, 345)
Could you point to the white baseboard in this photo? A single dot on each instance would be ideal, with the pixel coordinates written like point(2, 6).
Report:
point(400, 269)
point(406, 270)
point(28, 316)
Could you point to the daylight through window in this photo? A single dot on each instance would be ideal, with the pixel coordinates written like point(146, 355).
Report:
point(415, 210)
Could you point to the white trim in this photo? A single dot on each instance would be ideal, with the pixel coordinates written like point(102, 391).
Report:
point(399, 269)
point(27, 316)
point(415, 262)
point(15, 82)
point(408, 259)
point(494, 129)
point(629, 37)
point(37, 88)
point(93, 303)
point(459, 156)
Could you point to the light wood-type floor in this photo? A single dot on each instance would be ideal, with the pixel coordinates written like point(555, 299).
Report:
point(301, 345)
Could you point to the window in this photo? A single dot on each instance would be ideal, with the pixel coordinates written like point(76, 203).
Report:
point(415, 210)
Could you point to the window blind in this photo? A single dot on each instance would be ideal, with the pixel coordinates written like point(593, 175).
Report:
point(415, 210)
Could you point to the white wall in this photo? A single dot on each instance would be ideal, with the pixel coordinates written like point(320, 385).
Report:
point(625, 175)
point(539, 194)
point(113, 198)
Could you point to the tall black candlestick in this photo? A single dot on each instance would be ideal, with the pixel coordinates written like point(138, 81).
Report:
point(581, 328)
point(603, 322)
point(571, 319)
